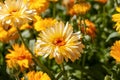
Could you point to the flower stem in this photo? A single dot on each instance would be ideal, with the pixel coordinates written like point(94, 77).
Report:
point(44, 68)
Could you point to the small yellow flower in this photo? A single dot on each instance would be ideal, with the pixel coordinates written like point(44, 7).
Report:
point(42, 24)
point(15, 12)
point(38, 5)
point(8, 34)
point(116, 19)
point(102, 1)
point(20, 55)
point(39, 75)
point(59, 42)
point(115, 51)
point(80, 8)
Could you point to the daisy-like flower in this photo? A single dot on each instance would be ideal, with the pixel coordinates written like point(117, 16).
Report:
point(20, 55)
point(39, 75)
point(115, 51)
point(42, 24)
point(15, 12)
point(116, 19)
point(59, 42)
point(38, 5)
point(90, 28)
point(80, 8)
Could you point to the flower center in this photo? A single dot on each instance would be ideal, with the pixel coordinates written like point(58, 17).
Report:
point(59, 42)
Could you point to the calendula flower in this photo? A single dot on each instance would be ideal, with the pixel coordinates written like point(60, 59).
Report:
point(38, 5)
point(80, 8)
point(115, 51)
point(116, 19)
point(7, 34)
point(39, 75)
point(102, 1)
point(42, 24)
point(89, 28)
point(59, 42)
point(15, 12)
point(20, 55)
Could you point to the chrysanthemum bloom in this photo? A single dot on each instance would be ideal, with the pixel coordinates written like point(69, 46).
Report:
point(38, 5)
point(115, 51)
point(20, 55)
point(102, 1)
point(116, 19)
point(32, 75)
point(90, 28)
point(15, 12)
point(80, 8)
point(59, 42)
point(42, 24)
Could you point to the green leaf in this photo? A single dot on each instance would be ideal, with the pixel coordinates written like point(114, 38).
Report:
point(113, 35)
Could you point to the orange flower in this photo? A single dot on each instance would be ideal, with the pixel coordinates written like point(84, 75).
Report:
point(115, 51)
point(90, 28)
point(80, 8)
point(102, 1)
point(32, 75)
point(38, 5)
point(20, 55)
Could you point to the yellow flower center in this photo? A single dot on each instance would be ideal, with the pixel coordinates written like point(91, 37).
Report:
point(59, 42)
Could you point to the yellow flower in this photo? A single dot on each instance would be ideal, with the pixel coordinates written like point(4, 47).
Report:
point(20, 55)
point(8, 34)
point(42, 24)
point(102, 1)
point(80, 8)
point(15, 12)
point(32, 75)
point(115, 51)
point(38, 5)
point(59, 42)
point(116, 19)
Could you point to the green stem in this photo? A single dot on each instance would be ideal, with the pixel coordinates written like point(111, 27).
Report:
point(44, 68)
point(83, 64)
point(59, 75)
point(116, 2)
point(65, 74)
point(54, 9)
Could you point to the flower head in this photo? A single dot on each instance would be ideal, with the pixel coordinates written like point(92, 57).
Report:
point(20, 55)
point(90, 28)
point(116, 19)
point(59, 42)
point(80, 8)
point(115, 51)
point(15, 12)
point(38, 5)
point(7, 34)
point(42, 24)
point(32, 75)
